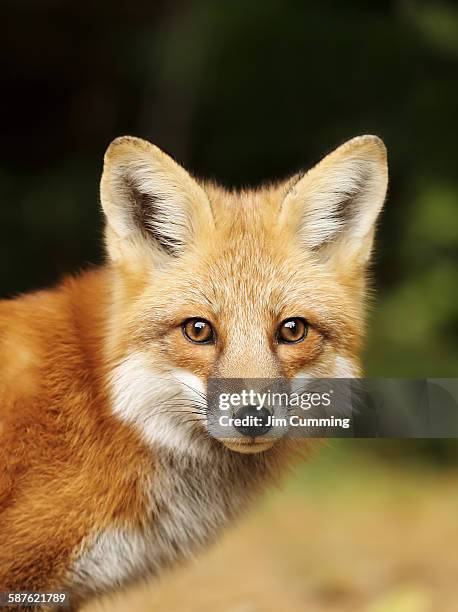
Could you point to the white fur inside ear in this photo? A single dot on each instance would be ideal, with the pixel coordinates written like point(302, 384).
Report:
point(338, 200)
point(152, 202)
point(152, 205)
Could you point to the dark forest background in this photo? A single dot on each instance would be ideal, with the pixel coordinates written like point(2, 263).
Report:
point(243, 92)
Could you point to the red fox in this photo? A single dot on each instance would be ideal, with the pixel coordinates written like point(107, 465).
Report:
point(107, 472)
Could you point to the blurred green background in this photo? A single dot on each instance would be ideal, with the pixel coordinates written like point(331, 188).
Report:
point(242, 92)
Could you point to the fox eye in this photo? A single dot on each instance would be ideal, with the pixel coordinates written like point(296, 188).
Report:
point(199, 331)
point(292, 330)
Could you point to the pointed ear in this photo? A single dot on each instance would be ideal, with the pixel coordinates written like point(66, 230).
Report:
point(152, 205)
point(333, 207)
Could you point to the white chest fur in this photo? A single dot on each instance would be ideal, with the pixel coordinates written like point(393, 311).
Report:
point(191, 500)
point(197, 488)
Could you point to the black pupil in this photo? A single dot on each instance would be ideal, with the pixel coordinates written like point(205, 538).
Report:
point(199, 327)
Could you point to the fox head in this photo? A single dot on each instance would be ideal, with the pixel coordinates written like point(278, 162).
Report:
point(262, 283)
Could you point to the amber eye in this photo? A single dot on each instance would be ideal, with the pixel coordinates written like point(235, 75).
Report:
point(292, 330)
point(198, 330)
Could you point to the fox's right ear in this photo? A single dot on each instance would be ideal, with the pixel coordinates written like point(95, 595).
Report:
point(153, 207)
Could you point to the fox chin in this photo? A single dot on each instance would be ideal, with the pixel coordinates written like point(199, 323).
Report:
point(108, 474)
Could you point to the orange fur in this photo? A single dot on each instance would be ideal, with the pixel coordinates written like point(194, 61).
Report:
point(69, 467)
point(67, 464)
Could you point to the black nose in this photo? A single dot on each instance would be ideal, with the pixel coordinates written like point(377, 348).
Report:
point(256, 421)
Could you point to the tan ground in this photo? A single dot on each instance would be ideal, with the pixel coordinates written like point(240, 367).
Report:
point(345, 534)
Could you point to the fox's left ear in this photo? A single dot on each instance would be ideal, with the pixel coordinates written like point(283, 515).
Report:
point(334, 206)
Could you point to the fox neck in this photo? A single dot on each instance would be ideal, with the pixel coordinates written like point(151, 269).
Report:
point(190, 500)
